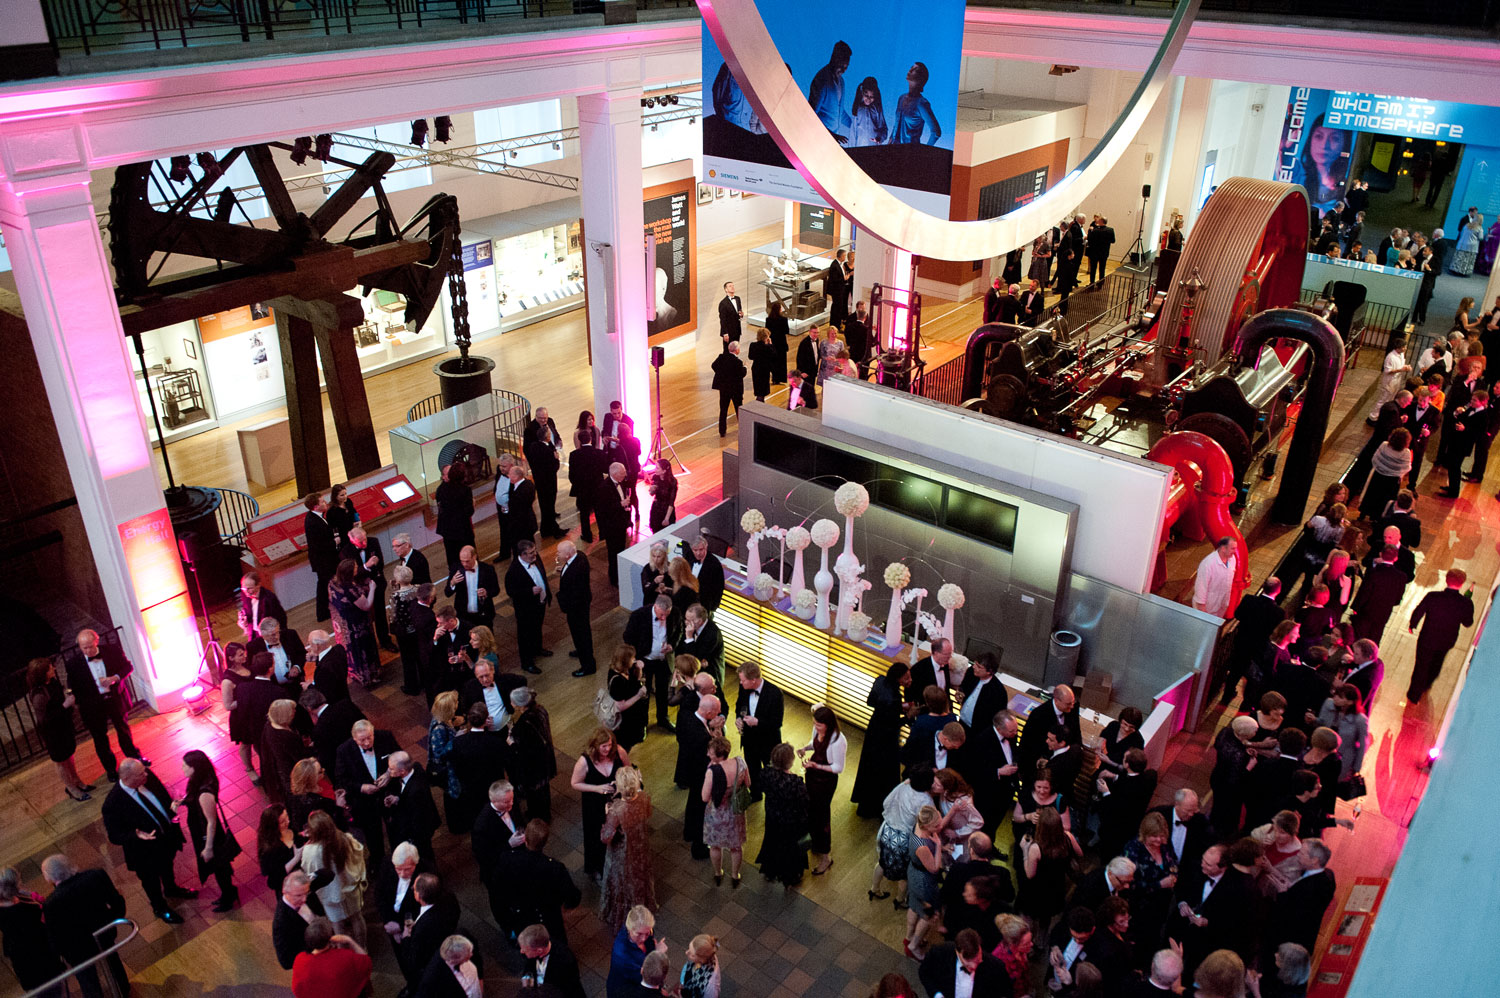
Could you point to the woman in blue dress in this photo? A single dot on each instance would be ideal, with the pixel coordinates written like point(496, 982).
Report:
point(914, 115)
point(869, 128)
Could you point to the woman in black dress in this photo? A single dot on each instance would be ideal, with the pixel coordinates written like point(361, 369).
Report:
point(281, 748)
point(586, 426)
point(663, 495)
point(214, 846)
point(880, 760)
point(278, 847)
point(27, 946)
point(783, 855)
point(781, 332)
point(825, 761)
point(655, 579)
point(305, 798)
point(629, 695)
point(594, 779)
point(455, 513)
point(237, 671)
point(763, 364)
point(52, 711)
point(341, 515)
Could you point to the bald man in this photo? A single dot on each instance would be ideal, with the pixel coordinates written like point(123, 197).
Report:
point(1059, 716)
point(575, 596)
point(612, 508)
point(98, 674)
point(141, 819)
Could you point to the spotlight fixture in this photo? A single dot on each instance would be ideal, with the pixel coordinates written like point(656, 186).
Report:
point(444, 126)
point(301, 147)
point(671, 98)
point(653, 128)
point(648, 102)
point(692, 121)
point(323, 147)
point(514, 154)
point(557, 145)
point(419, 132)
point(224, 207)
point(179, 172)
point(209, 164)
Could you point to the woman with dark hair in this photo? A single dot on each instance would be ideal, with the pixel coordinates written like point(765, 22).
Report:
point(1390, 465)
point(342, 857)
point(869, 128)
point(1047, 853)
point(880, 760)
point(1030, 802)
point(594, 779)
point(237, 671)
point(341, 515)
point(762, 364)
point(823, 763)
point(893, 986)
point(780, 330)
point(782, 856)
point(277, 846)
point(629, 694)
point(351, 601)
point(455, 512)
point(27, 945)
point(1343, 712)
point(1119, 737)
point(663, 489)
point(915, 122)
point(305, 798)
point(723, 825)
point(52, 711)
point(586, 433)
point(1325, 164)
point(214, 846)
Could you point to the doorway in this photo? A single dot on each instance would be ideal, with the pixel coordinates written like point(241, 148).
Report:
point(1411, 181)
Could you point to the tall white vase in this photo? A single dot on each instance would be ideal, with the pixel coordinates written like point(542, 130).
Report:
point(799, 580)
point(752, 566)
point(847, 592)
point(948, 625)
point(823, 583)
point(893, 620)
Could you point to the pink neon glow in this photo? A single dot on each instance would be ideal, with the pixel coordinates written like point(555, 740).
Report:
point(167, 625)
point(1433, 753)
point(900, 290)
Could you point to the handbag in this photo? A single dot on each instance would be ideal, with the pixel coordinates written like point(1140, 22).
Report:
point(1353, 787)
point(741, 799)
point(606, 712)
point(226, 846)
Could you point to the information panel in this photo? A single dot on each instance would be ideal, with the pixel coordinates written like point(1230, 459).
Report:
point(670, 217)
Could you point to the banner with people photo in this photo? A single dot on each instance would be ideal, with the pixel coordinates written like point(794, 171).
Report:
point(883, 77)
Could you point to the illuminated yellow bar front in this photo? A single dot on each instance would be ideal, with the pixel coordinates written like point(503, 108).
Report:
point(810, 664)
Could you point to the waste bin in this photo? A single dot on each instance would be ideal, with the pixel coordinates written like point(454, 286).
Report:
point(1062, 658)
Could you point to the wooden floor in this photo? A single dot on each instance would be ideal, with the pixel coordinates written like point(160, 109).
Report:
point(826, 939)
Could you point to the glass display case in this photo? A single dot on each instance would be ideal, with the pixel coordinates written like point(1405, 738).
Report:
point(176, 380)
point(539, 273)
point(422, 447)
point(785, 273)
point(385, 338)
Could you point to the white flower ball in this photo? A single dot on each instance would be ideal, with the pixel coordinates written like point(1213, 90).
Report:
point(825, 533)
point(897, 575)
point(859, 621)
point(950, 596)
point(798, 538)
point(851, 499)
point(806, 600)
point(764, 580)
point(753, 522)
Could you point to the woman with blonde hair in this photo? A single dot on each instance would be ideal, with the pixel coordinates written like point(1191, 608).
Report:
point(594, 779)
point(684, 584)
point(482, 647)
point(342, 856)
point(656, 579)
point(440, 734)
point(1014, 949)
point(700, 972)
point(305, 797)
point(629, 881)
point(280, 750)
point(924, 866)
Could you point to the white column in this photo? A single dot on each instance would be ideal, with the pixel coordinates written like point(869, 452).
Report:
point(65, 288)
point(880, 262)
point(1157, 217)
point(609, 129)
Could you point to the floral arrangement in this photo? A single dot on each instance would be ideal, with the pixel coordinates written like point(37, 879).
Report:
point(914, 594)
point(859, 621)
point(851, 499)
point(897, 575)
point(825, 533)
point(764, 580)
point(950, 596)
point(753, 521)
point(849, 574)
point(798, 538)
point(806, 600)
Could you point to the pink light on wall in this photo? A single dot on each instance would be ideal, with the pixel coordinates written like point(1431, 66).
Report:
point(167, 625)
point(900, 292)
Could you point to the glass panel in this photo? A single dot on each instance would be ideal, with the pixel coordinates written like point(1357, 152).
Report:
point(912, 495)
point(982, 518)
point(788, 454)
point(519, 120)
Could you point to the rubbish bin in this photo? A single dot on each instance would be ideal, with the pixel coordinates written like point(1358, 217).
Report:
point(1062, 658)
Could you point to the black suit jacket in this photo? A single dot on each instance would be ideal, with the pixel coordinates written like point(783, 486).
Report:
point(350, 773)
point(252, 702)
point(587, 467)
point(1043, 718)
point(428, 932)
point(417, 562)
point(992, 700)
point(414, 817)
point(923, 675)
point(1409, 525)
point(93, 705)
point(1031, 305)
point(992, 304)
point(770, 711)
point(538, 889)
point(478, 758)
point(1258, 616)
point(385, 894)
point(76, 907)
point(1367, 681)
point(1441, 615)
point(993, 794)
point(322, 544)
point(692, 752)
point(490, 840)
point(438, 981)
point(296, 651)
point(613, 518)
point(473, 690)
point(574, 593)
point(521, 515)
point(729, 375)
point(331, 674)
point(638, 631)
point(939, 969)
point(1297, 912)
point(542, 455)
point(710, 580)
point(707, 647)
point(270, 606)
point(518, 586)
point(289, 931)
point(857, 339)
point(489, 581)
point(331, 730)
point(1199, 837)
point(807, 357)
point(562, 974)
point(729, 316)
point(123, 817)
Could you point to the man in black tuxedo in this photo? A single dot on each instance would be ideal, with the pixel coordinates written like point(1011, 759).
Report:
point(449, 643)
point(438, 979)
point(526, 585)
point(1441, 615)
point(538, 888)
point(655, 631)
point(1115, 878)
point(758, 714)
point(946, 749)
point(365, 551)
point(330, 666)
point(575, 597)
point(615, 431)
point(1057, 715)
point(410, 814)
point(612, 508)
point(1425, 420)
point(1297, 912)
point(332, 724)
point(1215, 909)
point(360, 770)
point(709, 571)
point(992, 299)
point(473, 588)
point(965, 956)
point(1379, 593)
point(857, 338)
point(931, 670)
point(395, 889)
point(587, 466)
point(1033, 300)
point(983, 695)
point(322, 547)
point(1188, 830)
point(286, 648)
point(731, 313)
point(98, 676)
point(141, 819)
point(1256, 616)
point(491, 689)
point(496, 834)
point(693, 734)
point(519, 511)
point(478, 759)
point(296, 906)
point(405, 554)
point(253, 698)
point(836, 287)
point(550, 968)
point(994, 766)
point(436, 919)
point(81, 902)
point(257, 603)
point(416, 643)
point(702, 639)
point(729, 382)
point(1367, 672)
point(1068, 945)
point(1402, 518)
point(1097, 242)
point(1305, 689)
point(1271, 779)
point(1124, 802)
point(543, 446)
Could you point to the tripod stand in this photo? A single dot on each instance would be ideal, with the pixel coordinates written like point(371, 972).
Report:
point(213, 652)
point(659, 439)
point(1139, 246)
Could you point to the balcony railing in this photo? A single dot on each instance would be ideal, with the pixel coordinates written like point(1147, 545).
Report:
point(87, 27)
point(1355, 15)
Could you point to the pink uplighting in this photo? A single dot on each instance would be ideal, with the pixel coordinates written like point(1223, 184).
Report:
point(900, 289)
point(167, 625)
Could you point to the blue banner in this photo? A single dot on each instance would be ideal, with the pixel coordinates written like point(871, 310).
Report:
point(882, 76)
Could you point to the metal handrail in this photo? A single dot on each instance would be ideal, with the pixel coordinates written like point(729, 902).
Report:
point(127, 923)
point(510, 427)
point(234, 515)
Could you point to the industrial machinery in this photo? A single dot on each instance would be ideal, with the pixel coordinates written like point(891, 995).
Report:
point(1226, 352)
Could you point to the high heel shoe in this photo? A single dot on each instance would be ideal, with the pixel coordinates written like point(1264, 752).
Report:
point(718, 880)
point(823, 869)
point(734, 883)
point(898, 903)
point(80, 795)
point(878, 895)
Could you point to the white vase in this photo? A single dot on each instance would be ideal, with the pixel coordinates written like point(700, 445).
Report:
point(805, 614)
point(823, 583)
point(948, 625)
point(859, 634)
point(893, 620)
point(799, 580)
point(752, 567)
